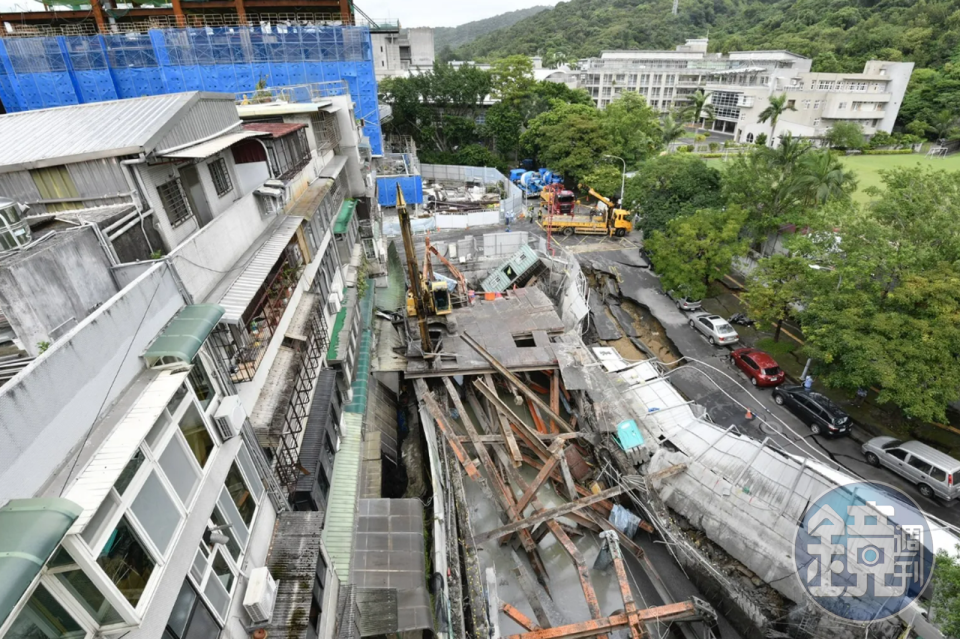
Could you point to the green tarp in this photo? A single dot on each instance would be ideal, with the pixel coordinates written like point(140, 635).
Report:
point(30, 530)
point(343, 218)
point(185, 334)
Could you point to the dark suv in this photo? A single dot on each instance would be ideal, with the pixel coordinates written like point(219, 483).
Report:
point(816, 410)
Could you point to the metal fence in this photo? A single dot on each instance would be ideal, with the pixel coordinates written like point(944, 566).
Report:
point(511, 204)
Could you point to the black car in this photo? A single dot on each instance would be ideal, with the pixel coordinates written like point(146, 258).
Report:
point(816, 410)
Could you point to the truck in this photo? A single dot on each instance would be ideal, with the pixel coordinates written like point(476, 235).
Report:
point(612, 222)
point(557, 200)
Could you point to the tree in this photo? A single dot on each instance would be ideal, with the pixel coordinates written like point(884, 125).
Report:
point(632, 127)
point(761, 139)
point(777, 107)
point(697, 249)
point(845, 135)
point(946, 594)
point(670, 129)
point(699, 108)
point(503, 125)
point(511, 78)
point(604, 179)
point(478, 155)
point(775, 288)
point(669, 186)
point(764, 183)
point(823, 177)
point(569, 139)
point(944, 125)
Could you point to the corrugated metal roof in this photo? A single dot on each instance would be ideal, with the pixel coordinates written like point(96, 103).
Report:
point(293, 558)
point(50, 137)
point(210, 147)
point(238, 297)
point(340, 523)
point(108, 462)
point(317, 420)
point(274, 129)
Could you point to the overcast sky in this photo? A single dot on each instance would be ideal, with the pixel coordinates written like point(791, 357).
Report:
point(440, 13)
point(411, 13)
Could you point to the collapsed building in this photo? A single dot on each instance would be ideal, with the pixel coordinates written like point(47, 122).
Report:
point(545, 459)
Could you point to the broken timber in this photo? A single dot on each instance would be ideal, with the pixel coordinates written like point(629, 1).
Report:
point(672, 612)
point(518, 616)
point(547, 515)
point(557, 450)
point(513, 379)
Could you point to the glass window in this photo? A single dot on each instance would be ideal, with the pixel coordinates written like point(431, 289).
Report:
point(180, 615)
point(44, 618)
point(156, 512)
point(938, 474)
point(153, 437)
point(196, 434)
point(179, 469)
point(217, 595)
point(223, 572)
point(84, 590)
point(190, 618)
point(99, 521)
point(919, 464)
point(219, 520)
point(126, 475)
point(178, 396)
point(250, 471)
point(200, 382)
point(240, 494)
point(202, 624)
point(126, 562)
point(898, 453)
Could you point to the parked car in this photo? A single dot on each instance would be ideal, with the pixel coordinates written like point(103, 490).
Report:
point(933, 472)
point(816, 410)
point(717, 330)
point(684, 303)
point(762, 369)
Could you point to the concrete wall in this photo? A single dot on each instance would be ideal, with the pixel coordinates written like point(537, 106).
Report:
point(349, 143)
point(46, 410)
point(421, 46)
point(154, 176)
point(251, 175)
point(204, 258)
point(60, 280)
point(386, 55)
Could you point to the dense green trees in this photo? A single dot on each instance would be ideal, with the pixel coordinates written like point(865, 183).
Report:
point(670, 186)
point(846, 135)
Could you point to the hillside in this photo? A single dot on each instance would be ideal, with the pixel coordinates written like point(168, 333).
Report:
point(838, 34)
point(454, 37)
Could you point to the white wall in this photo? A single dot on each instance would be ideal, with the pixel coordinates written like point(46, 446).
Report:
point(251, 175)
point(47, 409)
point(154, 176)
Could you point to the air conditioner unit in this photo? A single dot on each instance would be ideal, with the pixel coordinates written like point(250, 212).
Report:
point(260, 596)
point(229, 417)
point(271, 199)
point(333, 303)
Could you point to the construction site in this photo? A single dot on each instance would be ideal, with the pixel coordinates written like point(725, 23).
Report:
point(569, 489)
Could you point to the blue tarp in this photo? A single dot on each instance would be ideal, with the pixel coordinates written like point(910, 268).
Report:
point(411, 185)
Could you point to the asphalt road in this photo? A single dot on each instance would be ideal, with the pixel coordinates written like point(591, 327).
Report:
point(709, 379)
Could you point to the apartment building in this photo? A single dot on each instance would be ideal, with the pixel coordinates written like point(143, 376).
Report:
point(151, 452)
point(741, 82)
point(397, 51)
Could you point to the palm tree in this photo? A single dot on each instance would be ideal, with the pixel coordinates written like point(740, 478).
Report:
point(790, 151)
point(699, 109)
point(670, 129)
point(944, 125)
point(777, 107)
point(823, 177)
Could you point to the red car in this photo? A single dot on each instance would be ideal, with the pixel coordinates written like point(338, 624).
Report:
point(762, 369)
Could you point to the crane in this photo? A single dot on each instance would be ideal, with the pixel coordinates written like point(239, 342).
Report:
point(461, 280)
point(417, 292)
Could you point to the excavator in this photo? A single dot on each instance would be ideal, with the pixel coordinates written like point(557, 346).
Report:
point(426, 297)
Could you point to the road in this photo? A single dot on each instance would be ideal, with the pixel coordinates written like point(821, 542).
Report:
point(710, 380)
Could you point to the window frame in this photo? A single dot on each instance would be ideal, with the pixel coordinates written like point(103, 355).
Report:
point(220, 176)
point(170, 207)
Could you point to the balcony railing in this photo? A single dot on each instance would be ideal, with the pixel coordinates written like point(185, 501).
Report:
point(303, 93)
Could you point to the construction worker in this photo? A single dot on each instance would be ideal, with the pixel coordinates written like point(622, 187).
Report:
point(808, 383)
point(540, 214)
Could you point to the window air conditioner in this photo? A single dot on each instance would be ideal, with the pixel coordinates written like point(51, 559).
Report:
point(260, 596)
point(333, 303)
point(229, 417)
point(270, 198)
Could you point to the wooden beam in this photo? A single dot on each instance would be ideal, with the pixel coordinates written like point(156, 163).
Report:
point(557, 450)
point(568, 482)
point(554, 399)
point(631, 545)
point(603, 508)
point(434, 409)
point(518, 616)
point(513, 379)
point(547, 515)
point(534, 440)
point(672, 612)
point(583, 572)
point(537, 420)
point(499, 439)
point(629, 605)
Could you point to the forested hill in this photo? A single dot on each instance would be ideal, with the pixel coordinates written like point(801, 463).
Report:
point(838, 34)
point(465, 33)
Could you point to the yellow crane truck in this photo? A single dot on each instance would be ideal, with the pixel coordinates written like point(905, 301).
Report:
point(608, 221)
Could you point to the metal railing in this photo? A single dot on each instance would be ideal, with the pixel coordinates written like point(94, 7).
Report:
point(298, 93)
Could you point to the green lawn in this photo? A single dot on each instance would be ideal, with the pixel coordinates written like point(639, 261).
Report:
point(868, 167)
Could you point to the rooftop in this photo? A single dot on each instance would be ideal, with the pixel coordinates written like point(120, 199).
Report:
point(61, 135)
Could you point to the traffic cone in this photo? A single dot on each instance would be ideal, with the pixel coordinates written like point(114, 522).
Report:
point(749, 415)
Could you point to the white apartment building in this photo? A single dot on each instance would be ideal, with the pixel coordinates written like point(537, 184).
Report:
point(397, 51)
point(741, 83)
point(150, 453)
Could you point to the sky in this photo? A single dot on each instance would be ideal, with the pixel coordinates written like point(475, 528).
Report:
point(411, 13)
point(441, 13)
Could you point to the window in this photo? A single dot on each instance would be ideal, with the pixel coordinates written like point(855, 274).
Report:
point(806, 104)
point(816, 122)
point(200, 382)
point(196, 434)
point(749, 138)
point(671, 79)
point(190, 618)
point(920, 465)
point(749, 362)
point(658, 79)
point(240, 494)
point(174, 202)
point(898, 453)
point(816, 105)
point(220, 176)
point(68, 573)
point(938, 474)
point(841, 106)
point(44, 618)
point(793, 103)
point(126, 562)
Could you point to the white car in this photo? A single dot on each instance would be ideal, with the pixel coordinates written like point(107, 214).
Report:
point(716, 329)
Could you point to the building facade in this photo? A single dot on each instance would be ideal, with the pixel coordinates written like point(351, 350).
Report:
point(741, 82)
point(397, 51)
point(151, 451)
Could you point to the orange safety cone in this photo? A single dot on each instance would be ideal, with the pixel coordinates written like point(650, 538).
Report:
point(749, 415)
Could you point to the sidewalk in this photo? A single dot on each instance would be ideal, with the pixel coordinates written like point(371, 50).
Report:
point(875, 419)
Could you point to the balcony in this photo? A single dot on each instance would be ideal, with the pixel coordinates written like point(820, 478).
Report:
point(293, 93)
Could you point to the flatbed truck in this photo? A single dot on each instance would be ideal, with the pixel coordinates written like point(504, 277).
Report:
point(611, 223)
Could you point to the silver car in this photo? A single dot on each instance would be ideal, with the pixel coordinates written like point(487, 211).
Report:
point(684, 303)
point(717, 330)
point(933, 472)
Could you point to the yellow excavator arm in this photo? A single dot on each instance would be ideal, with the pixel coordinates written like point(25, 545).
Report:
point(606, 201)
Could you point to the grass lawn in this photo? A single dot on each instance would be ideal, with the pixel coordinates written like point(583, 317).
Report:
point(868, 167)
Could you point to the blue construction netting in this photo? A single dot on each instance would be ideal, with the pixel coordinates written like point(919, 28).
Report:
point(411, 185)
point(51, 71)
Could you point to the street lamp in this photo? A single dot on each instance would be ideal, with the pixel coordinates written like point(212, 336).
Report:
point(623, 176)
